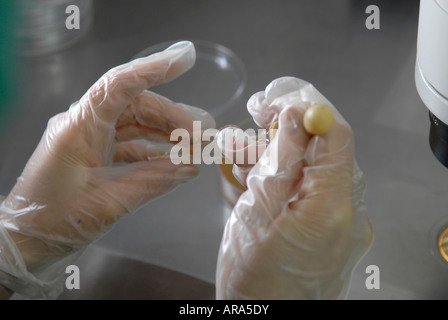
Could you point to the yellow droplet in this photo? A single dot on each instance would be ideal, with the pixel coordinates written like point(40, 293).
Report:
point(273, 130)
point(318, 119)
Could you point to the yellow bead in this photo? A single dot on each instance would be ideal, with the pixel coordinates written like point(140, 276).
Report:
point(318, 119)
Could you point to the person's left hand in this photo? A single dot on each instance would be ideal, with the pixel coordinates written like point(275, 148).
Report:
point(70, 192)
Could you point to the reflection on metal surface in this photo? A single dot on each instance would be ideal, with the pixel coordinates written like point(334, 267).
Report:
point(442, 243)
point(107, 275)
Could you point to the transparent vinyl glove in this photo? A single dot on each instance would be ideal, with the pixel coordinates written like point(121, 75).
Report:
point(90, 169)
point(301, 227)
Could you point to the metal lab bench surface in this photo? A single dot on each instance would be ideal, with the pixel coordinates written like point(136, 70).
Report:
point(367, 74)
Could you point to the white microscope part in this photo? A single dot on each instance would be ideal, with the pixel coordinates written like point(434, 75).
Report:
point(431, 71)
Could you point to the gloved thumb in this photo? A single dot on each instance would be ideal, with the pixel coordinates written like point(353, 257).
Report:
point(274, 180)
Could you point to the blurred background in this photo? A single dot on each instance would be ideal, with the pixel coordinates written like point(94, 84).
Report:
point(168, 249)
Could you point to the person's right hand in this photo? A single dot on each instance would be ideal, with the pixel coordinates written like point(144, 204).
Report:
point(301, 227)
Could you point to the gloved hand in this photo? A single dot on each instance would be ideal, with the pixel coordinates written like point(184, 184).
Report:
point(70, 192)
point(301, 227)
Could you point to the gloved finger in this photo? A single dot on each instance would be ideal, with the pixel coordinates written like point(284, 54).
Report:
point(274, 179)
point(335, 146)
point(109, 96)
point(328, 179)
point(135, 184)
point(265, 106)
point(242, 148)
point(332, 198)
point(259, 110)
point(329, 174)
point(133, 151)
point(154, 117)
point(241, 173)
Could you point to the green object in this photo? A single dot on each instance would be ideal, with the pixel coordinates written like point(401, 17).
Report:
point(8, 58)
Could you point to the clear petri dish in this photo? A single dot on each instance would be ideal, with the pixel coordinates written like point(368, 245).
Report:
point(215, 83)
point(42, 25)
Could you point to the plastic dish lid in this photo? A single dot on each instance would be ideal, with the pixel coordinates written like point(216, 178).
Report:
point(215, 83)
